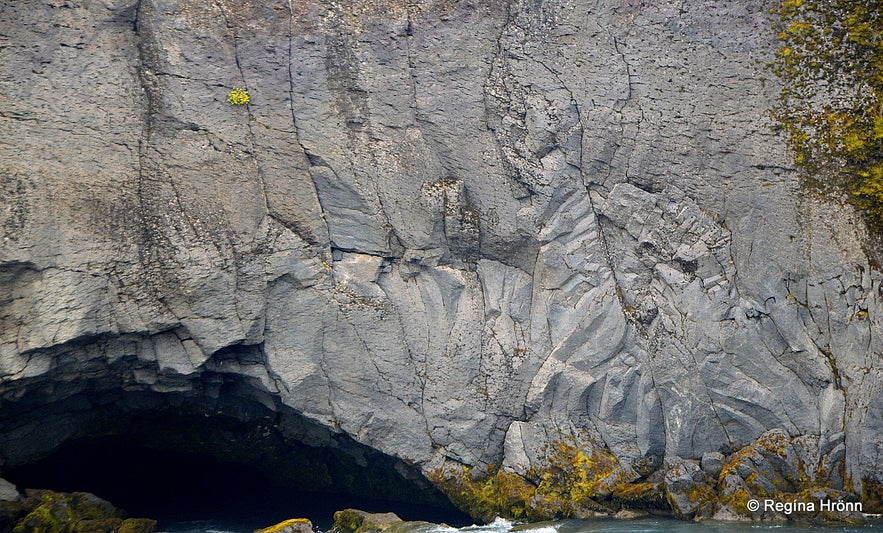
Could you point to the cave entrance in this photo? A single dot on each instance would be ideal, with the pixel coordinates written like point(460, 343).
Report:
point(175, 486)
point(167, 485)
point(224, 457)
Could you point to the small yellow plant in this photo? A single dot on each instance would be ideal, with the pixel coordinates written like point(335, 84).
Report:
point(238, 96)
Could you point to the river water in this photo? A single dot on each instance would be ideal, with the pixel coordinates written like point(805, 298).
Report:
point(603, 525)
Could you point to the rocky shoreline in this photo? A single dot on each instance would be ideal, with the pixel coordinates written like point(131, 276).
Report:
point(788, 479)
point(777, 473)
point(46, 511)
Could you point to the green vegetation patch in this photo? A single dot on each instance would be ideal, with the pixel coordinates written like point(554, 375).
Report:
point(641, 496)
point(872, 495)
point(572, 482)
point(137, 525)
point(45, 511)
point(77, 512)
point(830, 60)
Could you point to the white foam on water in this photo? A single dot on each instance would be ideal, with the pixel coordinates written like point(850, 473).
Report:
point(499, 525)
point(541, 529)
point(443, 529)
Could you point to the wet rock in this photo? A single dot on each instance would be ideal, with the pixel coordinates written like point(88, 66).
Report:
point(78, 512)
point(647, 465)
point(356, 521)
point(628, 514)
point(8, 492)
point(44, 511)
point(292, 525)
point(416, 526)
point(780, 469)
point(834, 506)
point(137, 525)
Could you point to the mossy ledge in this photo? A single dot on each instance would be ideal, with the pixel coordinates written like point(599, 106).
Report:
point(575, 482)
point(45, 511)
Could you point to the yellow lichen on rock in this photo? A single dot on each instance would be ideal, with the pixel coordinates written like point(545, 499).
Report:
point(292, 525)
point(830, 60)
point(571, 483)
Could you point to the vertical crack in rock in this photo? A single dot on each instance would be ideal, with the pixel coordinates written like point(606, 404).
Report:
point(420, 377)
point(333, 407)
point(294, 123)
point(619, 109)
point(151, 235)
point(259, 170)
point(412, 65)
point(352, 100)
point(497, 62)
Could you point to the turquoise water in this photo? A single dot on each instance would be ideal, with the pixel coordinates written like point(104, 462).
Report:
point(605, 525)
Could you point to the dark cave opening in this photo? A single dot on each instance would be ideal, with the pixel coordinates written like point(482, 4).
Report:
point(151, 482)
point(218, 448)
point(174, 486)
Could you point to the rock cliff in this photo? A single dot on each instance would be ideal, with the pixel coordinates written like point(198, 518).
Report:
point(454, 232)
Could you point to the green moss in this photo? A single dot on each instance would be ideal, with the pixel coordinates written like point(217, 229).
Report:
point(641, 495)
point(701, 493)
point(571, 482)
point(356, 521)
point(137, 525)
point(43, 520)
point(830, 59)
point(348, 520)
point(100, 525)
point(751, 482)
point(78, 512)
point(730, 467)
point(499, 494)
point(872, 496)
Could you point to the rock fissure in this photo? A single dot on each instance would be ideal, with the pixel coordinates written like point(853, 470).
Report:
point(294, 125)
point(259, 171)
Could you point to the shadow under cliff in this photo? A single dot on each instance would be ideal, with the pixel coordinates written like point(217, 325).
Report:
point(215, 446)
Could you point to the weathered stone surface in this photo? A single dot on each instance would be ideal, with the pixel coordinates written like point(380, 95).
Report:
point(712, 463)
point(782, 469)
point(456, 232)
point(293, 525)
point(137, 525)
point(76, 512)
point(357, 521)
point(8, 492)
point(689, 490)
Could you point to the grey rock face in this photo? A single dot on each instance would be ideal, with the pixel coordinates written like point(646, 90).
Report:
point(8, 492)
point(454, 231)
point(712, 463)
